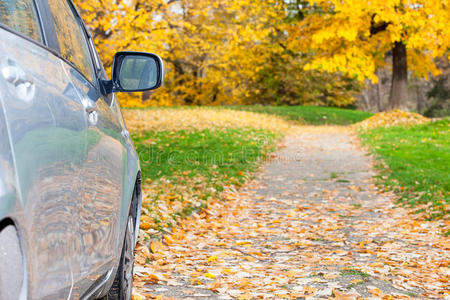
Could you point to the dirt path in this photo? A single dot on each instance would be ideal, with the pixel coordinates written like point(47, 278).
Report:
point(312, 225)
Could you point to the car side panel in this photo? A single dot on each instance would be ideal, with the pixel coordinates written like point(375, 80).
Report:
point(131, 184)
point(98, 220)
point(132, 169)
point(49, 150)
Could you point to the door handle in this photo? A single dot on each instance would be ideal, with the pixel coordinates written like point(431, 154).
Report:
point(20, 83)
point(16, 76)
point(88, 104)
point(89, 107)
point(125, 134)
point(93, 117)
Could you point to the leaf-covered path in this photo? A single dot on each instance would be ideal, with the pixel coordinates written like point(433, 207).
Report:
point(312, 225)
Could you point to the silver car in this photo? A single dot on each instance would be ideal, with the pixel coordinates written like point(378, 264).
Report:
point(70, 183)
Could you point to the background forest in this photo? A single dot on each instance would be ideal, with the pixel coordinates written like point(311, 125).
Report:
point(375, 55)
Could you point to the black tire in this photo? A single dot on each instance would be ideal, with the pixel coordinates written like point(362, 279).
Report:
point(123, 282)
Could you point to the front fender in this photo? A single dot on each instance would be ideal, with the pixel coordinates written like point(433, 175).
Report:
point(132, 196)
point(10, 206)
point(8, 182)
point(132, 185)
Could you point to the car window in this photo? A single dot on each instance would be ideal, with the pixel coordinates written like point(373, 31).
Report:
point(72, 41)
point(21, 16)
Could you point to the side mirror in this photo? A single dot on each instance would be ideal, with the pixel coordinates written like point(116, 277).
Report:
point(135, 72)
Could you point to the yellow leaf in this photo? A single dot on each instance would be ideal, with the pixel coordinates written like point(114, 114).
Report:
point(356, 281)
point(153, 247)
point(156, 247)
point(212, 258)
point(245, 296)
point(136, 296)
point(342, 295)
point(249, 258)
point(153, 278)
point(330, 276)
point(209, 275)
point(243, 243)
point(169, 240)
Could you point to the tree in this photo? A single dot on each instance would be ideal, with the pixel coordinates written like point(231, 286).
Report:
point(282, 79)
point(353, 37)
point(206, 44)
point(216, 52)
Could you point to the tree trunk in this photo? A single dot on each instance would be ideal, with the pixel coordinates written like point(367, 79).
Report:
point(399, 87)
point(378, 73)
point(366, 99)
point(420, 99)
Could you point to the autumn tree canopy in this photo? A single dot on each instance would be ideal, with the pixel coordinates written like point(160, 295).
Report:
point(353, 37)
point(271, 52)
point(216, 52)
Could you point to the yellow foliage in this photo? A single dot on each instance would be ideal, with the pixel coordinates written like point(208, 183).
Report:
point(208, 46)
point(353, 36)
point(243, 51)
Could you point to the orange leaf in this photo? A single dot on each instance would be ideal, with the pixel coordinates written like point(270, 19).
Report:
point(145, 226)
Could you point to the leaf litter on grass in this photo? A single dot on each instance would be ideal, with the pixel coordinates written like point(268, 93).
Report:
point(392, 118)
point(175, 119)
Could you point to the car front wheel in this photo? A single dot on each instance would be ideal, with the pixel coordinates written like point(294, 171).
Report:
point(123, 282)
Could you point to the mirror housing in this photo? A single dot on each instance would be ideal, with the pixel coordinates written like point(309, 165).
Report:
point(135, 72)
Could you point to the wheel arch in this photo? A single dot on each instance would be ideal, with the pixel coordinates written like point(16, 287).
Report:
point(136, 203)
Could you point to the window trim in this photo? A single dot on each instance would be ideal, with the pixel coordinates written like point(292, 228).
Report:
point(45, 47)
point(43, 41)
point(97, 72)
point(48, 29)
point(97, 64)
point(50, 41)
point(88, 40)
point(47, 25)
point(59, 54)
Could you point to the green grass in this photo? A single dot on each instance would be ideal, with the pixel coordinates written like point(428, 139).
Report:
point(211, 153)
point(311, 115)
point(417, 162)
point(354, 272)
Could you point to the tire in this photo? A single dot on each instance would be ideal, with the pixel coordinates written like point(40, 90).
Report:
point(123, 282)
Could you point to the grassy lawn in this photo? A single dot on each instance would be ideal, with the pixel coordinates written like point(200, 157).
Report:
point(417, 162)
point(310, 115)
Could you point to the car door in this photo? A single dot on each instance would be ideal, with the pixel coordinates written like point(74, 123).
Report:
point(47, 125)
point(98, 208)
